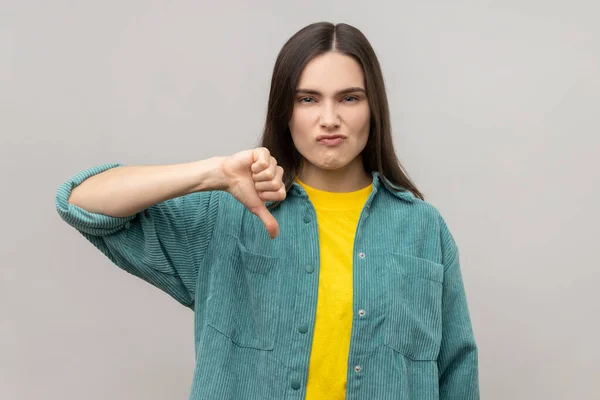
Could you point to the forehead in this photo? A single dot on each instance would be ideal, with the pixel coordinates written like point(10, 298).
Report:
point(330, 72)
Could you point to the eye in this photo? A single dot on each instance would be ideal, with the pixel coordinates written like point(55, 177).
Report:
point(351, 99)
point(306, 100)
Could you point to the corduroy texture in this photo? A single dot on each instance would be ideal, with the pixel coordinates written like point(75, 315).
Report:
point(250, 293)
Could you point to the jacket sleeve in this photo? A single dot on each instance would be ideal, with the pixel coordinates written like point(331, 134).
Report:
point(155, 244)
point(458, 358)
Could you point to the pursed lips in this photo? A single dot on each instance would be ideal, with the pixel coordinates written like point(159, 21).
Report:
point(329, 137)
point(331, 140)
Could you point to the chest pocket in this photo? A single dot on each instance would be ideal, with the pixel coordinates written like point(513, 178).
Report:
point(414, 308)
point(244, 295)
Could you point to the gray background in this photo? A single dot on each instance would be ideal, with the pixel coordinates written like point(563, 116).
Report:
point(495, 116)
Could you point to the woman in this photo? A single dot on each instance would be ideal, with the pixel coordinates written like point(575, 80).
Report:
point(313, 265)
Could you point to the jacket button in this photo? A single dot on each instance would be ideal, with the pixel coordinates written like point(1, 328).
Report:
point(307, 219)
point(303, 328)
point(309, 269)
point(295, 384)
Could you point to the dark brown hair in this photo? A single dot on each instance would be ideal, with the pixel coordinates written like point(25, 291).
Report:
point(308, 43)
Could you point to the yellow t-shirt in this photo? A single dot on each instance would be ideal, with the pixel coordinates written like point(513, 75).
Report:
point(337, 219)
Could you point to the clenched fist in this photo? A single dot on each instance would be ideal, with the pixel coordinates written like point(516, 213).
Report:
point(253, 178)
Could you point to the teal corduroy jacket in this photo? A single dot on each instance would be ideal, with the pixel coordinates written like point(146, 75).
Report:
point(254, 298)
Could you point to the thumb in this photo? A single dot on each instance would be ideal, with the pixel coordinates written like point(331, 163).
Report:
point(267, 219)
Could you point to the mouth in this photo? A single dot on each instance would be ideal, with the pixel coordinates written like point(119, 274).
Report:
point(331, 140)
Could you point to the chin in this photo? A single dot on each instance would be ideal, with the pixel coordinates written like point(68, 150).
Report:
point(331, 165)
point(329, 162)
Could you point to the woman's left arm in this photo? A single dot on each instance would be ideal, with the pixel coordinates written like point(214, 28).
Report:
point(458, 358)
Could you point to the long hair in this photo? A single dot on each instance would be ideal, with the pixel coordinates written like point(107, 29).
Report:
point(308, 43)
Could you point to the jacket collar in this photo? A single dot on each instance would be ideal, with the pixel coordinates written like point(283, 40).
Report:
point(400, 192)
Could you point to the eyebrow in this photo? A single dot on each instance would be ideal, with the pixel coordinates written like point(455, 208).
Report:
point(338, 93)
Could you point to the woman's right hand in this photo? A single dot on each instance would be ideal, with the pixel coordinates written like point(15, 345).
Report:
point(253, 178)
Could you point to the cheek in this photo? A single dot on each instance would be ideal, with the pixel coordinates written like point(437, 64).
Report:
point(300, 124)
point(359, 121)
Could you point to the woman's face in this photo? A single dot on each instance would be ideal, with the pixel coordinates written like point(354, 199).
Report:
point(330, 120)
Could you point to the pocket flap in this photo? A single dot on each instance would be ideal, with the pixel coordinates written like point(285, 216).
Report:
point(417, 267)
point(259, 263)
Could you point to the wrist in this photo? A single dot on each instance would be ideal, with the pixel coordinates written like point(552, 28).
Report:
point(209, 174)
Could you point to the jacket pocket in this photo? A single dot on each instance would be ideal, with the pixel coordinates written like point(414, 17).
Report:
point(243, 302)
point(414, 306)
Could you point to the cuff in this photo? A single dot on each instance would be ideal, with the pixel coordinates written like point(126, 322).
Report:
point(80, 219)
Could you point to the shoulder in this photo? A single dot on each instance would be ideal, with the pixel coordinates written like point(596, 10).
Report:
point(417, 208)
point(447, 243)
point(434, 214)
point(426, 218)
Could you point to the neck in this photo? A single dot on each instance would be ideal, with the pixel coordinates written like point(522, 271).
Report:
point(348, 179)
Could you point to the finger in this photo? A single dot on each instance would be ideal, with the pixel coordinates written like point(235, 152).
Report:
point(267, 219)
point(271, 185)
point(261, 159)
point(266, 174)
point(267, 186)
point(277, 195)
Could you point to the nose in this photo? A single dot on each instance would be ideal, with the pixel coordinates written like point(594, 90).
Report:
point(329, 116)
